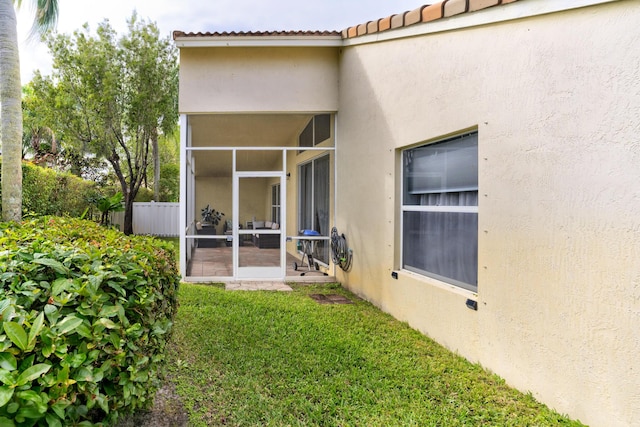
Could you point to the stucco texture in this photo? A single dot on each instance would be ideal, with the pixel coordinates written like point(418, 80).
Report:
point(555, 100)
point(258, 79)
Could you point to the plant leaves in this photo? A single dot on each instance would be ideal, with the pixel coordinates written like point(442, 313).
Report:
point(27, 362)
point(16, 334)
point(52, 420)
point(8, 378)
point(83, 374)
point(109, 310)
point(68, 324)
point(106, 323)
point(8, 312)
point(60, 285)
point(77, 359)
point(84, 331)
point(8, 362)
point(32, 412)
point(4, 304)
point(59, 407)
point(35, 330)
point(55, 265)
point(6, 393)
point(52, 313)
point(33, 372)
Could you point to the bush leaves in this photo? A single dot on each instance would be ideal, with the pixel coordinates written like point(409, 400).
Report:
point(8, 362)
point(6, 393)
point(16, 334)
point(85, 315)
point(32, 373)
point(68, 324)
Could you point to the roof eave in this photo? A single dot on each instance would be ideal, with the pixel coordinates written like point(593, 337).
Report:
point(258, 41)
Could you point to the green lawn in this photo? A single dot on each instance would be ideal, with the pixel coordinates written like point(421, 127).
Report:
point(281, 359)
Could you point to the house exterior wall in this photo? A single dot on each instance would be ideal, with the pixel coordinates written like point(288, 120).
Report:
point(555, 102)
point(275, 79)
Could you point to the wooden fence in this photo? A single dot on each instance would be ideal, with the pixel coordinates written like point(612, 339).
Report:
point(155, 218)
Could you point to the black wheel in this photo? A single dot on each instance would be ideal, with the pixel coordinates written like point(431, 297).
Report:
point(295, 266)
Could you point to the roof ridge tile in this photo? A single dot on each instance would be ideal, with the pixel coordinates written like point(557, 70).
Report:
point(423, 14)
point(179, 33)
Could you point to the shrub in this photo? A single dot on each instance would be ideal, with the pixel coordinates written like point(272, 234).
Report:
point(170, 182)
point(47, 192)
point(144, 195)
point(85, 314)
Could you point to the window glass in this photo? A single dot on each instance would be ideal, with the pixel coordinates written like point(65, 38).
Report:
point(322, 128)
point(439, 211)
point(443, 245)
point(445, 167)
point(317, 131)
point(306, 137)
point(275, 203)
point(314, 201)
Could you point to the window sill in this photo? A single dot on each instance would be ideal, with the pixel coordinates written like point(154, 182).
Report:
point(437, 283)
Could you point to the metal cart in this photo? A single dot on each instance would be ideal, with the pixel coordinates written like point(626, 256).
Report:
point(308, 242)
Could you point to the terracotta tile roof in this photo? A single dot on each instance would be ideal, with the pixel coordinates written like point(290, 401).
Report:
point(426, 13)
point(256, 34)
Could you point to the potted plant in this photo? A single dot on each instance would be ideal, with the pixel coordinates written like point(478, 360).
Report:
point(211, 217)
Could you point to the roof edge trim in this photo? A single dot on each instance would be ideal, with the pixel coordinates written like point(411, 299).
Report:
point(260, 41)
point(506, 12)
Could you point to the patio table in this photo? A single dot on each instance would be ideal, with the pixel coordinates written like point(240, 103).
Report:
point(308, 242)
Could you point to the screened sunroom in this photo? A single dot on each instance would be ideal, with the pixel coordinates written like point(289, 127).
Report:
point(262, 178)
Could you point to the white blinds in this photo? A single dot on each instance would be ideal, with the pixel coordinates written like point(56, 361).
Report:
point(450, 166)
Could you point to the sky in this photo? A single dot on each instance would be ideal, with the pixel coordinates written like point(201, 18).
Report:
point(200, 15)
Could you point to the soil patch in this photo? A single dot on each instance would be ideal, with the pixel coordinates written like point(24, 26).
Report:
point(330, 299)
point(167, 411)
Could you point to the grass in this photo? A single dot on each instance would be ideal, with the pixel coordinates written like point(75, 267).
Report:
point(281, 359)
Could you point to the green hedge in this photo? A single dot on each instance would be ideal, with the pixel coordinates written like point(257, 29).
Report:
point(85, 314)
point(47, 192)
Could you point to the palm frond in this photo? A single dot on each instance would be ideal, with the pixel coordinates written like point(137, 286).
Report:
point(46, 17)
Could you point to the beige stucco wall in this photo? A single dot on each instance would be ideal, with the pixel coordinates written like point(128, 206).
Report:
point(555, 100)
point(273, 79)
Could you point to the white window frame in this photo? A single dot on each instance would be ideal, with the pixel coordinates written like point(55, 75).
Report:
point(275, 204)
point(313, 128)
point(433, 208)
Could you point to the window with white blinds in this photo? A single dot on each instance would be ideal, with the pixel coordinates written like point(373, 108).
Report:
point(440, 210)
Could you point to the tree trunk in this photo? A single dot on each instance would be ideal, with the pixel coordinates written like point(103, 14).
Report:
point(156, 165)
point(10, 114)
point(128, 214)
point(129, 195)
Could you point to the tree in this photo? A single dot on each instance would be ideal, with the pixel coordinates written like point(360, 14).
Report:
point(10, 99)
point(167, 189)
point(48, 148)
point(38, 139)
point(113, 97)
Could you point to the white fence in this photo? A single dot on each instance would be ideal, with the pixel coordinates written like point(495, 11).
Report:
point(155, 218)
